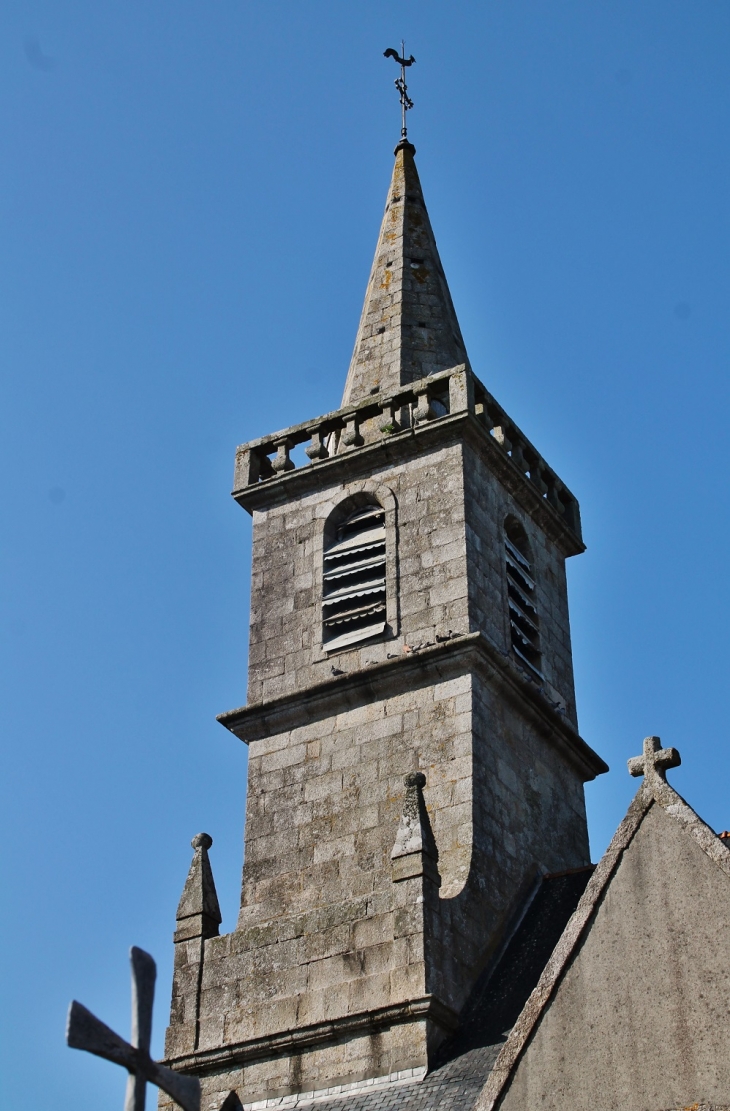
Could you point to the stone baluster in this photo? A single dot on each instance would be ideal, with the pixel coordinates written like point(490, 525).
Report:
point(318, 448)
point(281, 462)
point(517, 454)
point(390, 421)
point(536, 477)
point(501, 433)
point(351, 436)
point(422, 411)
point(552, 491)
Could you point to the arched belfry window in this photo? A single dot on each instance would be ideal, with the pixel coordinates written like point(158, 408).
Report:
point(524, 622)
point(354, 576)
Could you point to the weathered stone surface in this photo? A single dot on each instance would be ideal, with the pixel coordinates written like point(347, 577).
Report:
point(369, 907)
point(198, 913)
point(414, 852)
point(324, 934)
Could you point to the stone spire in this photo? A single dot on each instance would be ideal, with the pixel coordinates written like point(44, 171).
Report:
point(408, 327)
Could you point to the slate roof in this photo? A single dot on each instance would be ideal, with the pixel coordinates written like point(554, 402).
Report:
point(498, 998)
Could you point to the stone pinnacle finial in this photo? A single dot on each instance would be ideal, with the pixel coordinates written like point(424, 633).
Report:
point(198, 914)
point(654, 762)
point(415, 851)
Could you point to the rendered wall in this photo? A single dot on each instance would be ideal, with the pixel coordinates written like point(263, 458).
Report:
point(640, 1019)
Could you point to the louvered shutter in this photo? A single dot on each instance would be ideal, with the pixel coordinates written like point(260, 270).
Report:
point(523, 617)
point(353, 603)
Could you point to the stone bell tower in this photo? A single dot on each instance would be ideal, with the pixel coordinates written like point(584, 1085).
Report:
point(414, 759)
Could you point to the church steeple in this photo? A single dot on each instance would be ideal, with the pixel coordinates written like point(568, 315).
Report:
point(408, 328)
point(415, 763)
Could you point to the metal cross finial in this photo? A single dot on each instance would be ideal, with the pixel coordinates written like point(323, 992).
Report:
point(400, 83)
point(86, 1031)
point(654, 762)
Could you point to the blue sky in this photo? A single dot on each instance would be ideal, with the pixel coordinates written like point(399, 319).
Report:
point(189, 204)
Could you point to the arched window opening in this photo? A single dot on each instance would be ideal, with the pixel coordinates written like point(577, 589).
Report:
point(354, 591)
point(523, 617)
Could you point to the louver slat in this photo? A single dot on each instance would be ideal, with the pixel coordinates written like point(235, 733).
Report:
point(359, 539)
point(369, 564)
point(374, 586)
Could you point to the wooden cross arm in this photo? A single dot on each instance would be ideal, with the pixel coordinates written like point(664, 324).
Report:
point(85, 1031)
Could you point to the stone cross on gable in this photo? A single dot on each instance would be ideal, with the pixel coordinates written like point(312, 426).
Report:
point(654, 762)
point(86, 1031)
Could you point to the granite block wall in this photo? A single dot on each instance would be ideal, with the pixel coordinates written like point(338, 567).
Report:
point(425, 532)
point(488, 504)
point(322, 934)
point(327, 939)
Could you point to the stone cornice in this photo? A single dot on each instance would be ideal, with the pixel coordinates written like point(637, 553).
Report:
point(439, 661)
point(294, 1041)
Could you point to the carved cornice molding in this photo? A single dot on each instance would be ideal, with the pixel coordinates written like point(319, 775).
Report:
point(294, 1041)
point(436, 662)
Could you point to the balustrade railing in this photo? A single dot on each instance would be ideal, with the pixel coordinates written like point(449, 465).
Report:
point(430, 399)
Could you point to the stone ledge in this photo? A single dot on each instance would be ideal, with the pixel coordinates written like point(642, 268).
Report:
point(294, 1041)
point(391, 677)
point(373, 1083)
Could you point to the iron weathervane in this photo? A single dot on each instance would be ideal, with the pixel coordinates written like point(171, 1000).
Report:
point(400, 83)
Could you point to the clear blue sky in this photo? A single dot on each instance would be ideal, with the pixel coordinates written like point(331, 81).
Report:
point(189, 204)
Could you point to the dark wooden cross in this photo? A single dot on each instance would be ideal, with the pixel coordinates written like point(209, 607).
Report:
point(654, 762)
point(86, 1031)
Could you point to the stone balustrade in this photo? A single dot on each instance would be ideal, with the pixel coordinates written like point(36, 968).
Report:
point(436, 398)
point(524, 456)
